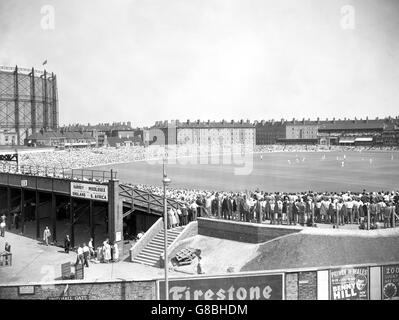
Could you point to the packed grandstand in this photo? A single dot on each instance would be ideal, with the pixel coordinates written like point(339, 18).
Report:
point(305, 208)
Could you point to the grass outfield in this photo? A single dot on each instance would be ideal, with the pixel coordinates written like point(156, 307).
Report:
point(294, 171)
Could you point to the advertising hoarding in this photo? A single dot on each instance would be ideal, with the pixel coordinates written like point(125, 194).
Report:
point(390, 282)
point(349, 283)
point(90, 191)
point(243, 287)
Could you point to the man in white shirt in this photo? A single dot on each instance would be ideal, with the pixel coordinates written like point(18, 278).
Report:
point(79, 258)
point(193, 208)
point(86, 253)
point(91, 247)
point(349, 210)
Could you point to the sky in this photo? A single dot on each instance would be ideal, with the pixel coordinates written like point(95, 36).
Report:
point(143, 61)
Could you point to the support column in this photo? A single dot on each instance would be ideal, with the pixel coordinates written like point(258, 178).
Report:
point(54, 216)
point(115, 217)
point(8, 199)
point(72, 235)
point(37, 216)
point(16, 101)
point(22, 210)
point(54, 102)
point(45, 101)
point(33, 100)
point(91, 221)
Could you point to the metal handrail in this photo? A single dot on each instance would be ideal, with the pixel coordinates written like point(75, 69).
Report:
point(60, 172)
point(146, 198)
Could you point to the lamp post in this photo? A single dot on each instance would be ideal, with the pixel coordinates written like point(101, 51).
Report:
point(166, 181)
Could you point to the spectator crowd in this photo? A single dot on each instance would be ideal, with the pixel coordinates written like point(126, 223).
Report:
point(59, 163)
point(303, 208)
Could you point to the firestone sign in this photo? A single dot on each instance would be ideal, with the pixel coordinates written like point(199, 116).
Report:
point(90, 191)
point(248, 287)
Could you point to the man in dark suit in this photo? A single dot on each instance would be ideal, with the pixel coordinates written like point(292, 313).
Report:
point(225, 202)
point(258, 211)
point(67, 244)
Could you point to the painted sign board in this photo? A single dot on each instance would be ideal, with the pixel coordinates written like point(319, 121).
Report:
point(78, 297)
point(240, 287)
point(390, 282)
point(97, 192)
point(26, 290)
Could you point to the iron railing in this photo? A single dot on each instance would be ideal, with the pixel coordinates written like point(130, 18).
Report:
point(59, 172)
point(146, 199)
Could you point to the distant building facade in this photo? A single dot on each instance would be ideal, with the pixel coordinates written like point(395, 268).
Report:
point(61, 139)
point(100, 132)
point(268, 132)
point(203, 132)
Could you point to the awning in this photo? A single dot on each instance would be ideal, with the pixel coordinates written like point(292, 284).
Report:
point(347, 140)
point(364, 139)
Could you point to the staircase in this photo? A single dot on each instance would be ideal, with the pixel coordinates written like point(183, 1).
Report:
point(151, 253)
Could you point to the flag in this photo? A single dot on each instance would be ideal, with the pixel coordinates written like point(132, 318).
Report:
point(45, 62)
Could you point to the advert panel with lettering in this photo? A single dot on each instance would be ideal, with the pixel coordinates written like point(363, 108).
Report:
point(349, 283)
point(250, 287)
point(390, 282)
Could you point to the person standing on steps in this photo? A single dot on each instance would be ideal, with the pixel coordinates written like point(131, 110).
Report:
point(67, 244)
point(46, 235)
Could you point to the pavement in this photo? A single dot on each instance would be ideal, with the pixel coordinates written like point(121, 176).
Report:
point(34, 262)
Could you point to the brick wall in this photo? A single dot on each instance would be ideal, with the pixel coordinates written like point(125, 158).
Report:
point(121, 290)
point(301, 285)
point(241, 231)
point(307, 285)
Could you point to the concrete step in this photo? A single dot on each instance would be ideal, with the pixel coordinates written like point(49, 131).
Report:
point(169, 236)
point(149, 253)
point(145, 261)
point(161, 241)
point(174, 233)
point(169, 232)
point(155, 247)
